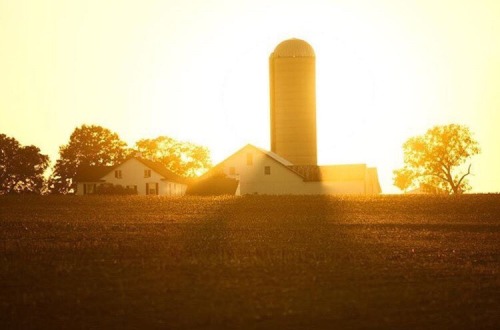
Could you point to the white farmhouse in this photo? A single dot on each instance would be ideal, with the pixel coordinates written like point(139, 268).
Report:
point(143, 176)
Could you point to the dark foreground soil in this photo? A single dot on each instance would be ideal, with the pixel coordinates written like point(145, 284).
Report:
point(390, 262)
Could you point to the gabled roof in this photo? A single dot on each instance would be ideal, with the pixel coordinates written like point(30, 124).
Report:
point(86, 173)
point(161, 169)
point(96, 173)
point(217, 169)
point(273, 155)
point(277, 158)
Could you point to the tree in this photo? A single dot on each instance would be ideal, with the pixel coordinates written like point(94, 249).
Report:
point(89, 145)
point(403, 178)
point(183, 158)
point(438, 159)
point(21, 168)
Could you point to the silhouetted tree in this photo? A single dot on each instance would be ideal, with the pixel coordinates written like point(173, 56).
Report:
point(438, 159)
point(183, 158)
point(89, 145)
point(21, 168)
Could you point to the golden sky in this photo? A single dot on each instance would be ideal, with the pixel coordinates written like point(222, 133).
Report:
point(198, 71)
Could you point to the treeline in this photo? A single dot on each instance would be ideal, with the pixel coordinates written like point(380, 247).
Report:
point(22, 168)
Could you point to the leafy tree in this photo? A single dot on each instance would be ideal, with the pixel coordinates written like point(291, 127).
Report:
point(438, 159)
point(403, 178)
point(89, 145)
point(21, 168)
point(183, 158)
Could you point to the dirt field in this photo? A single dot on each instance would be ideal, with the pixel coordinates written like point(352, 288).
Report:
point(255, 262)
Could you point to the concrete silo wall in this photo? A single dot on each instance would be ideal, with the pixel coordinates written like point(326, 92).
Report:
point(293, 102)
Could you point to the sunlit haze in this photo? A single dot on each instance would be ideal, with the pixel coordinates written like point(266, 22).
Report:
point(198, 71)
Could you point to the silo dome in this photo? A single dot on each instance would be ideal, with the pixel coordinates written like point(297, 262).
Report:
point(293, 48)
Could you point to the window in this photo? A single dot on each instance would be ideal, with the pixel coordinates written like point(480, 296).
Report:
point(232, 170)
point(89, 188)
point(249, 159)
point(147, 173)
point(118, 174)
point(133, 188)
point(151, 188)
point(267, 170)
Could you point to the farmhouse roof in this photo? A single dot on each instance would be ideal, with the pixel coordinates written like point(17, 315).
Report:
point(86, 173)
point(161, 169)
point(96, 173)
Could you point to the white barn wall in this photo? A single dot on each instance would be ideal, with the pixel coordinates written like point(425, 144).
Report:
point(252, 178)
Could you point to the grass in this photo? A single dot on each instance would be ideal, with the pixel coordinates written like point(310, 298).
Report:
point(256, 262)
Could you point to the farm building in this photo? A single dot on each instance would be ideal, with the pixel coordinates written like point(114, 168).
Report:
point(291, 165)
point(139, 175)
point(289, 168)
point(258, 171)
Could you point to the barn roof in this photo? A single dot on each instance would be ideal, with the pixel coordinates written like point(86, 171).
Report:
point(273, 155)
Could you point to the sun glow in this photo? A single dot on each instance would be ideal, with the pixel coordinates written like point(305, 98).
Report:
point(198, 71)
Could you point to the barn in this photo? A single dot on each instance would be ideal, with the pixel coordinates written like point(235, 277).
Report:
point(259, 171)
point(290, 167)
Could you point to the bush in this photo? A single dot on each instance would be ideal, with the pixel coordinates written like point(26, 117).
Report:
point(109, 189)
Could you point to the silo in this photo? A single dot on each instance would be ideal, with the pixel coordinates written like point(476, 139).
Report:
point(292, 76)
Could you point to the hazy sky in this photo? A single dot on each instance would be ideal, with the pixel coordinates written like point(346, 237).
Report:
point(198, 71)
